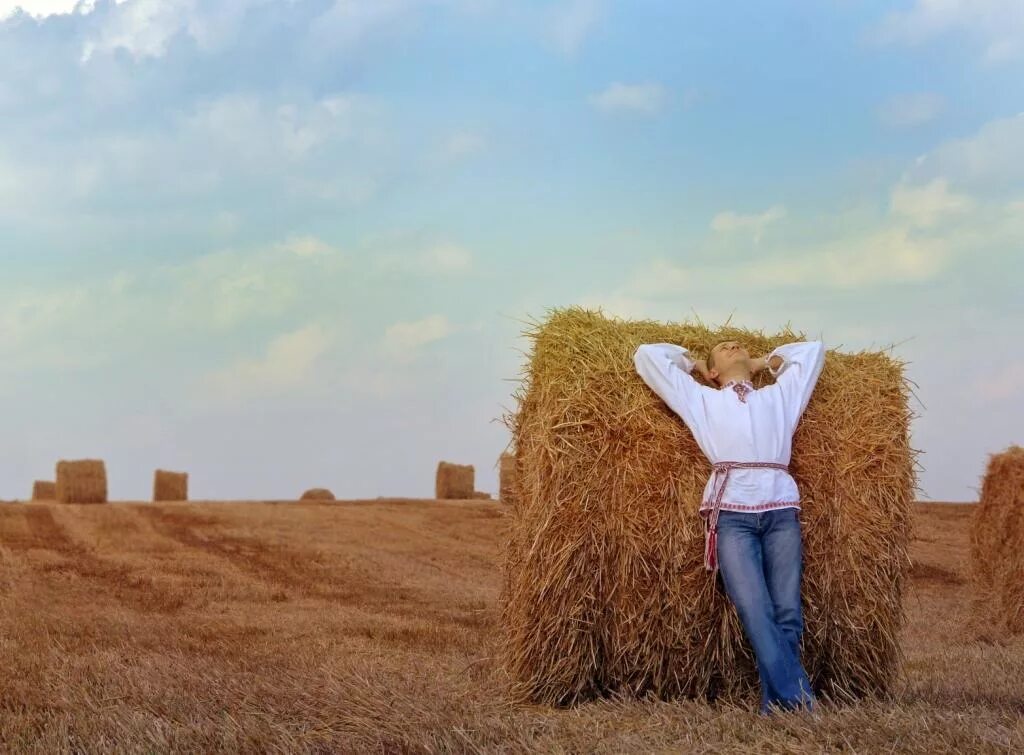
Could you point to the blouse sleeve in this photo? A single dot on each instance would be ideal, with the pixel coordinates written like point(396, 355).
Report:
point(798, 374)
point(666, 369)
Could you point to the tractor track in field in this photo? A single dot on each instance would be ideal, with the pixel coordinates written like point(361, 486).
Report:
point(117, 579)
point(294, 570)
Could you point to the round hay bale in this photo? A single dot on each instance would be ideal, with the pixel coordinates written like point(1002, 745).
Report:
point(170, 486)
point(82, 481)
point(43, 490)
point(317, 494)
point(454, 481)
point(507, 478)
point(604, 586)
point(997, 543)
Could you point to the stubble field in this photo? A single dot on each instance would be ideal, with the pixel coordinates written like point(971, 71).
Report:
point(369, 626)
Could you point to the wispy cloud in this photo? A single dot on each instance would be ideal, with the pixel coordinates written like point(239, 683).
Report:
point(882, 257)
point(909, 110)
point(925, 205)
point(730, 221)
point(990, 160)
point(997, 26)
point(572, 21)
point(435, 259)
point(457, 147)
point(288, 362)
point(402, 340)
point(645, 98)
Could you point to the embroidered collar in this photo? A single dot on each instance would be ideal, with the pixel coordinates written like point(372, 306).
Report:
point(742, 388)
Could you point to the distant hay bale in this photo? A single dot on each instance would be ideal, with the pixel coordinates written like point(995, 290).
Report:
point(481, 495)
point(83, 481)
point(170, 486)
point(43, 490)
point(454, 481)
point(997, 543)
point(317, 494)
point(507, 478)
point(604, 586)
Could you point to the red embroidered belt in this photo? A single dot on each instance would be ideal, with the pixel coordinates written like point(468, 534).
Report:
point(723, 469)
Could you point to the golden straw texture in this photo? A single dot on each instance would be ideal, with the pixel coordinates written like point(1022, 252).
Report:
point(604, 586)
point(997, 543)
point(82, 481)
point(455, 481)
point(170, 486)
point(43, 490)
point(507, 478)
point(317, 494)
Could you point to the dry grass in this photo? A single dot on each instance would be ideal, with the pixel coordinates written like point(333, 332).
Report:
point(370, 627)
point(997, 544)
point(454, 481)
point(170, 486)
point(606, 587)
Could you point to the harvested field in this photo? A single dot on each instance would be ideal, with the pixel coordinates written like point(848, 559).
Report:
point(370, 627)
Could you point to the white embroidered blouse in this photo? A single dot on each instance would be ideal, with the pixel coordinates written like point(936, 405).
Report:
point(737, 422)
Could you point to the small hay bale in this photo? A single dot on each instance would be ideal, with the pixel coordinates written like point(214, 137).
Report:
point(997, 543)
point(43, 490)
point(82, 481)
point(454, 481)
point(170, 486)
point(507, 478)
point(317, 494)
point(480, 495)
point(604, 587)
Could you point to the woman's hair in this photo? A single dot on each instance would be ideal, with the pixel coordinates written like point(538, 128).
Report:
point(711, 357)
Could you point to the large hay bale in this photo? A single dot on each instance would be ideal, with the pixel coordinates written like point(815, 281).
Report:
point(43, 490)
point(170, 486)
point(605, 589)
point(317, 494)
point(997, 543)
point(507, 478)
point(454, 481)
point(83, 481)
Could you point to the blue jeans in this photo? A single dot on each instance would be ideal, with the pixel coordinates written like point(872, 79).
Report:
point(760, 557)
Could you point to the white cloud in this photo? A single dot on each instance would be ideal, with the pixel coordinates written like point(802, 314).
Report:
point(86, 323)
point(646, 98)
point(329, 150)
point(908, 110)
point(893, 255)
point(996, 25)
point(289, 361)
point(572, 22)
point(41, 8)
point(924, 205)
point(990, 159)
point(457, 147)
point(447, 257)
point(308, 246)
point(440, 258)
point(729, 221)
point(403, 339)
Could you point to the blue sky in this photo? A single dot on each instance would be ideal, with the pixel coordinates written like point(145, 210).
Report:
point(287, 243)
